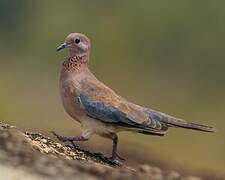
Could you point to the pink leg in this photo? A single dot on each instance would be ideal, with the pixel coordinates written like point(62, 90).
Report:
point(69, 138)
point(114, 149)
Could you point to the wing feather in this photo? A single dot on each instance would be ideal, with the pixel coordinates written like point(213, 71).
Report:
point(102, 103)
point(109, 114)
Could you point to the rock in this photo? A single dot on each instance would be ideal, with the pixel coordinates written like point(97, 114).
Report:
point(44, 141)
point(153, 172)
point(172, 175)
point(191, 178)
point(36, 156)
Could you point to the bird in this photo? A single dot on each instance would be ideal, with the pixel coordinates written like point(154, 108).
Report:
point(99, 109)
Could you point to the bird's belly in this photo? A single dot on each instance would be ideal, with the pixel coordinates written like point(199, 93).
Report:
point(97, 126)
point(70, 103)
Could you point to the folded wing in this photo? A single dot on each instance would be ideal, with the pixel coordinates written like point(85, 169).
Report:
point(101, 103)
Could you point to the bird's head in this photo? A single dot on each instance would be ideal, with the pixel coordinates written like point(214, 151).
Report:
point(77, 43)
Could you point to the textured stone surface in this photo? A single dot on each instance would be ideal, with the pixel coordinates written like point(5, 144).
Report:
point(26, 155)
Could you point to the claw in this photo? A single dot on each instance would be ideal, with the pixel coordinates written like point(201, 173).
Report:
point(59, 137)
point(73, 144)
point(55, 134)
point(70, 139)
point(116, 158)
point(63, 138)
point(120, 158)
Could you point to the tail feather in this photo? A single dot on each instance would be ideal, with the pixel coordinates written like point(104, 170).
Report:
point(176, 122)
point(189, 125)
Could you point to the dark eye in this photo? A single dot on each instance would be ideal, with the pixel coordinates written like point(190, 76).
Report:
point(77, 40)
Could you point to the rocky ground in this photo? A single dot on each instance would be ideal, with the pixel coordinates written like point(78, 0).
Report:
point(31, 156)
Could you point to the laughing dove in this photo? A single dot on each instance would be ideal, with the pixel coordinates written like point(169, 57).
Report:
point(98, 108)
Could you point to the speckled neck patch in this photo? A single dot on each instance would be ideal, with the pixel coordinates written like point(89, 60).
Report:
point(75, 62)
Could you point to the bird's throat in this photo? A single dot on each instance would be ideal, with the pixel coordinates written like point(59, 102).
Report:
point(75, 63)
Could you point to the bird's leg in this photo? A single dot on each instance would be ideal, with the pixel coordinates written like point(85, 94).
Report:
point(114, 149)
point(69, 138)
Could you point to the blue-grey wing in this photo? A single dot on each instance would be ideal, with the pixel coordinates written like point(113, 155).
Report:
point(108, 113)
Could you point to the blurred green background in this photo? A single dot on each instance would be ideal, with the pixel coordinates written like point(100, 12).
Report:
point(167, 55)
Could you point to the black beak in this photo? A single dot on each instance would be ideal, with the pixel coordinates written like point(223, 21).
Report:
point(62, 46)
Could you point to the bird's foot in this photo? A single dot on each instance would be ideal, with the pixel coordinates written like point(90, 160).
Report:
point(69, 138)
point(120, 158)
point(116, 158)
point(60, 138)
point(65, 138)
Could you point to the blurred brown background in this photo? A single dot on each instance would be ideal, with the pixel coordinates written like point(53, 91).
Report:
point(167, 55)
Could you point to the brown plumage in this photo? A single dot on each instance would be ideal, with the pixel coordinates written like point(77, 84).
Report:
point(98, 108)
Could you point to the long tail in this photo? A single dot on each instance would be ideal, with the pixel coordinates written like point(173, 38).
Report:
point(190, 125)
point(172, 121)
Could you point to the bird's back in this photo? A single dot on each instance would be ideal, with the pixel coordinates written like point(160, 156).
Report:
point(102, 103)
